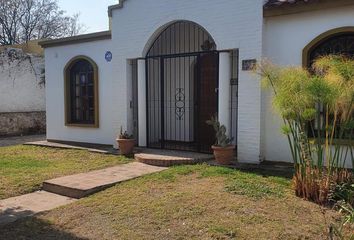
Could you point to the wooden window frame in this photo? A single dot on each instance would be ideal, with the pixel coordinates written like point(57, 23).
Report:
point(67, 95)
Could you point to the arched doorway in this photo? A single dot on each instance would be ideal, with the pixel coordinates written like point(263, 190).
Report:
point(182, 81)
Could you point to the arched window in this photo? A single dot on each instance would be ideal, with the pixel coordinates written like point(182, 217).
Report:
point(81, 92)
point(336, 41)
point(339, 41)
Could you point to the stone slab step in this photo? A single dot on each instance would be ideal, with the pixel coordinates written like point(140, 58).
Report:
point(12, 209)
point(171, 158)
point(84, 184)
point(91, 147)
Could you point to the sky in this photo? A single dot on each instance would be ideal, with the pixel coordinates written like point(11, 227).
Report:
point(93, 13)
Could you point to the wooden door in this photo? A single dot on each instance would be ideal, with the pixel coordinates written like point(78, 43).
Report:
point(207, 95)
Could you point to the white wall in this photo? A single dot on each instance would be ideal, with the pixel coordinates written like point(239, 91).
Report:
point(284, 40)
point(112, 106)
point(21, 88)
point(232, 24)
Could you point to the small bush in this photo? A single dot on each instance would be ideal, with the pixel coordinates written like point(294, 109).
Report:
point(342, 192)
point(317, 185)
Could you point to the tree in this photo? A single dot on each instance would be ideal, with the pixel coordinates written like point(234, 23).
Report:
point(25, 20)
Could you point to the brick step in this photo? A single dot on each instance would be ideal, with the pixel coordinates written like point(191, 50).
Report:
point(168, 159)
point(76, 193)
point(84, 184)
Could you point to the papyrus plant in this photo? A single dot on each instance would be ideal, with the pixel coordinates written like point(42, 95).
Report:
point(318, 102)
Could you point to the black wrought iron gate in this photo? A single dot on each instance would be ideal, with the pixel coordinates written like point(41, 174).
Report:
point(181, 97)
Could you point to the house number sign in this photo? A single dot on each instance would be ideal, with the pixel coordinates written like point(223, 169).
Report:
point(108, 56)
point(249, 64)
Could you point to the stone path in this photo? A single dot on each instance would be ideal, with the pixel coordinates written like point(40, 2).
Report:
point(64, 190)
point(27, 205)
point(11, 141)
point(84, 184)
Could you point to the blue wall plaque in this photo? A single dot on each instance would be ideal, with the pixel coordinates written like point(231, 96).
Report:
point(108, 56)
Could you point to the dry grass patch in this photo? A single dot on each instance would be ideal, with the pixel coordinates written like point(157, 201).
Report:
point(189, 202)
point(24, 168)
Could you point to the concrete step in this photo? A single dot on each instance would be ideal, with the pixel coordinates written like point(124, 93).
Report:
point(63, 190)
point(165, 158)
point(84, 184)
point(12, 209)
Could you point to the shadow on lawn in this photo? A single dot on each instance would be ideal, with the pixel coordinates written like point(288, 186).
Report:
point(265, 169)
point(34, 228)
point(10, 215)
point(270, 173)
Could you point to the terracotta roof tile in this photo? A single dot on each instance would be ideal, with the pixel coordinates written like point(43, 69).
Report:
point(278, 3)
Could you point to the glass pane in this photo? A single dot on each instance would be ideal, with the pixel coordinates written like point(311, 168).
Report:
point(85, 103)
point(77, 91)
point(90, 91)
point(90, 78)
point(91, 103)
point(83, 91)
point(77, 79)
point(83, 79)
point(92, 116)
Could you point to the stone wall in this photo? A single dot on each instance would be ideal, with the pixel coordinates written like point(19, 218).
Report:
point(22, 83)
point(30, 47)
point(17, 123)
point(22, 92)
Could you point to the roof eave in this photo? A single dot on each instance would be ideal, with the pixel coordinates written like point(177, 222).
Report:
point(76, 39)
point(287, 9)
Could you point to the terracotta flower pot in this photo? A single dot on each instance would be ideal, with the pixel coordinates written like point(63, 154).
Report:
point(224, 155)
point(126, 146)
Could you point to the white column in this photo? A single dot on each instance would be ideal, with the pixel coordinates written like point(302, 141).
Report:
point(130, 123)
point(142, 111)
point(225, 90)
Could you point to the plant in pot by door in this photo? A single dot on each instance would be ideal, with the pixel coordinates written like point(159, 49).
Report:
point(223, 149)
point(126, 142)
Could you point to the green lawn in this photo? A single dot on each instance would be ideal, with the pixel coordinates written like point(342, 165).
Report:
point(24, 168)
point(187, 202)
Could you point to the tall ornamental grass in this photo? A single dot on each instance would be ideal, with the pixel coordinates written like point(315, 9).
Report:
point(317, 107)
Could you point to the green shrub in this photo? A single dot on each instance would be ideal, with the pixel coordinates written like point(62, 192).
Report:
point(320, 101)
point(343, 192)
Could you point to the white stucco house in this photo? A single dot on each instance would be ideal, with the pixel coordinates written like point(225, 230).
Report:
point(166, 66)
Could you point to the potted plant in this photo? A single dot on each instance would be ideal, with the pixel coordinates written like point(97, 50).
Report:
point(126, 142)
point(223, 149)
